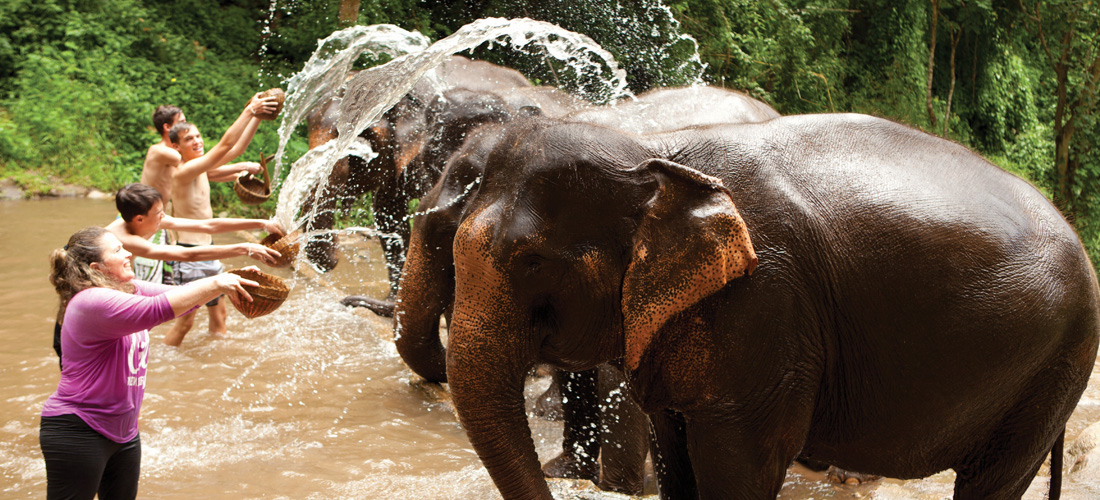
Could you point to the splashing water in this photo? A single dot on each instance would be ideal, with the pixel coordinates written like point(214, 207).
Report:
point(656, 15)
point(327, 69)
point(373, 91)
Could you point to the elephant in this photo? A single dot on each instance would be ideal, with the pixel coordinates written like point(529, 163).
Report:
point(665, 109)
point(411, 147)
point(427, 287)
point(427, 284)
point(839, 286)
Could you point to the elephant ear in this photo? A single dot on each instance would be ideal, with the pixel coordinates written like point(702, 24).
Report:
point(690, 242)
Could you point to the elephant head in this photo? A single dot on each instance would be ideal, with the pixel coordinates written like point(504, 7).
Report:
point(412, 141)
point(575, 256)
point(396, 138)
point(427, 287)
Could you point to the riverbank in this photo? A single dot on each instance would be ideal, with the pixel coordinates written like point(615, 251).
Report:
point(11, 190)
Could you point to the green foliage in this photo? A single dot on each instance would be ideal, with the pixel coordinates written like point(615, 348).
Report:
point(89, 73)
point(79, 79)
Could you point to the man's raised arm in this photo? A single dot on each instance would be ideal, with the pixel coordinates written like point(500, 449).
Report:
point(219, 155)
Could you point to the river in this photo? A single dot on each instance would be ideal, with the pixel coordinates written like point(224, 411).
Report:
point(309, 402)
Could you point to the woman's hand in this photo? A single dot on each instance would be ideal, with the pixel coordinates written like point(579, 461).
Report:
point(232, 286)
point(184, 298)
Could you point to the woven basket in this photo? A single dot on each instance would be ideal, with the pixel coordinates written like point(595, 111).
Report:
point(265, 298)
point(280, 97)
point(250, 189)
point(287, 246)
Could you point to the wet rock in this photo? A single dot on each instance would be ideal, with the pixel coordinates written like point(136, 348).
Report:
point(96, 194)
point(850, 478)
point(9, 190)
point(68, 191)
point(1083, 456)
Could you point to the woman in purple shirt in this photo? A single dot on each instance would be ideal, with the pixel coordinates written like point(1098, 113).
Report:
point(89, 432)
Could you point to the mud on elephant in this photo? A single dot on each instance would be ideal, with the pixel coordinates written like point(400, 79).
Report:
point(838, 286)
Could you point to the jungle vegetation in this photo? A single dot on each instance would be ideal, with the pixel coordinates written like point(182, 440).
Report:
point(1015, 80)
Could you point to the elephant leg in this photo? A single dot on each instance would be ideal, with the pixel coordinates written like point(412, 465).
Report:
point(580, 436)
point(1029, 431)
point(731, 461)
point(838, 475)
point(390, 207)
point(625, 436)
point(671, 463)
point(998, 473)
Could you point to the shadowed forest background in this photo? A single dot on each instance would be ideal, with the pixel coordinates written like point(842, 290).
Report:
point(1015, 80)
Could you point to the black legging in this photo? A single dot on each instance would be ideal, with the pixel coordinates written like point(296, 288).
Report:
point(80, 462)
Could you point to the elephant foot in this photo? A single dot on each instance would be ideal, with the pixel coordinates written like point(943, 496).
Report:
point(380, 307)
point(838, 475)
point(548, 404)
point(634, 486)
point(568, 466)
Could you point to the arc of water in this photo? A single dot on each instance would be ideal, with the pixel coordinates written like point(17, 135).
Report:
point(373, 91)
point(328, 68)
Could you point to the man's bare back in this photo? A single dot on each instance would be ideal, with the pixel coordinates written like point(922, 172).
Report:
point(161, 162)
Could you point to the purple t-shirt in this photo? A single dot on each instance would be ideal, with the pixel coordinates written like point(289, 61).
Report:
point(105, 348)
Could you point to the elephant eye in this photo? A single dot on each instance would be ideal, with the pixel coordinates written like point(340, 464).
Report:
point(532, 264)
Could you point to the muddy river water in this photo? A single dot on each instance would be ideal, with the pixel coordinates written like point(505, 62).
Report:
point(309, 402)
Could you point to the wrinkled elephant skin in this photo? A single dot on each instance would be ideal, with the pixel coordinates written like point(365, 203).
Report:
point(427, 286)
point(838, 286)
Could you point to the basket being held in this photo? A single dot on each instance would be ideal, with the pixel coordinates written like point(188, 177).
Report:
point(267, 297)
point(287, 246)
point(250, 189)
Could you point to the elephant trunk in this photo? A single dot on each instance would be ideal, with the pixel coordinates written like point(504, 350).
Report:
point(321, 248)
point(487, 372)
point(489, 354)
point(427, 289)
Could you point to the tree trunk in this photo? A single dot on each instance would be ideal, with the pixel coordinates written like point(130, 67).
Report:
point(1063, 133)
point(932, 61)
point(951, 91)
point(349, 13)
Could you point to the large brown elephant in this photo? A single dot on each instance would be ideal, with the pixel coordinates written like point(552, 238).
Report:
point(842, 286)
point(427, 285)
point(412, 141)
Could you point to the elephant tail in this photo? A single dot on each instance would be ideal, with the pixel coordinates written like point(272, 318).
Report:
point(1056, 467)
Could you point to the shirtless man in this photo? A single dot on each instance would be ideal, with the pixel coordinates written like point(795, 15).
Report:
point(191, 195)
point(163, 160)
point(142, 210)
